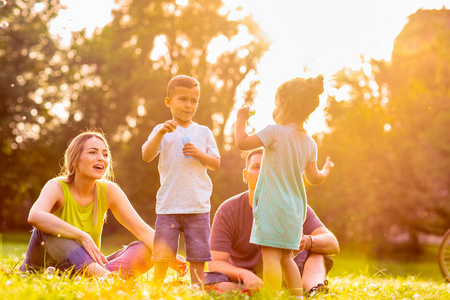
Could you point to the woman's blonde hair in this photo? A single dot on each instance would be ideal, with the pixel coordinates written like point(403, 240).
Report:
point(72, 154)
point(296, 99)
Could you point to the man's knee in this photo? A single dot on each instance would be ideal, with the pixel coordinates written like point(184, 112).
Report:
point(315, 258)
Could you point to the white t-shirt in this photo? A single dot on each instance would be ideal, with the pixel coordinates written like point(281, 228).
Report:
point(185, 185)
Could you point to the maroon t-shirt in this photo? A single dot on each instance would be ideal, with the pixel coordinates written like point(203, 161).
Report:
point(232, 227)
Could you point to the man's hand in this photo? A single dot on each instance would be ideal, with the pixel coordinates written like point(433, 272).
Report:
point(250, 280)
point(179, 265)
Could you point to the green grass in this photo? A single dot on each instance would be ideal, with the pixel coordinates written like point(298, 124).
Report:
point(353, 277)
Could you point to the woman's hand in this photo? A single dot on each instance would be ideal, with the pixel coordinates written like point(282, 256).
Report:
point(91, 248)
point(179, 265)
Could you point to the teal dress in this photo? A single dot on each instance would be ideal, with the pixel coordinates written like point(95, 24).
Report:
point(279, 204)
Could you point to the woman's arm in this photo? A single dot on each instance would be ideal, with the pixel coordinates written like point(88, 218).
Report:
point(40, 216)
point(129, 218)
point(127, 215)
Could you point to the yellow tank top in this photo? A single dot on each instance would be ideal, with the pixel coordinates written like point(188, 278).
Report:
point(82, 217)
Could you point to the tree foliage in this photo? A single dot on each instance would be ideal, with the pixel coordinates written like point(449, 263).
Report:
point(116, 80)
point(30, 77)
point(390, 143)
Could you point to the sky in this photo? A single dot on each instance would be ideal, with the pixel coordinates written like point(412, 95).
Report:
point(307, 38)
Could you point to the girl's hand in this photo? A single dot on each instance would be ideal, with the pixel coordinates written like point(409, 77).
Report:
point(91, 248)
point(179, 265)
point(329, 165)
point(243, 113)
point(169, 126)
point(302, 243)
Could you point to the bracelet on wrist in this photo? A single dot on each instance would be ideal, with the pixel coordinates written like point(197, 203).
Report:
point(312, 242)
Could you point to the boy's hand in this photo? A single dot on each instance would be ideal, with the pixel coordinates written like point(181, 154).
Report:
point(243, 113)
point(190, 150)
point(169, 126)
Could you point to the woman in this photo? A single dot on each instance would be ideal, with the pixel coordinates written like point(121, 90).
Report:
point(69, 215)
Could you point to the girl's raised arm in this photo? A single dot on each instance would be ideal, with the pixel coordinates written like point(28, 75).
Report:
point(242, 139)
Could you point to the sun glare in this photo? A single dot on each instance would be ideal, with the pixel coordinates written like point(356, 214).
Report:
point(307, 39)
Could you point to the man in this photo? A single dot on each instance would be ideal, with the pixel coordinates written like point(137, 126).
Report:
point(236, 263)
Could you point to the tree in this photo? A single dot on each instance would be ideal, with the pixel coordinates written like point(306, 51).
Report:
point(30, 78)
point(419, 104)
point(390, 144)
point(125, 68)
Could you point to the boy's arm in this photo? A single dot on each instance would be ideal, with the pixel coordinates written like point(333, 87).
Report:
point(150, 150)
point(314, 176)
point(210, 161)
point(242, 139)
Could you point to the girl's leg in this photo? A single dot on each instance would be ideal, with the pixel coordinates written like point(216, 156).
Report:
point(272, 275)
point(291, 273)
point(131, 261)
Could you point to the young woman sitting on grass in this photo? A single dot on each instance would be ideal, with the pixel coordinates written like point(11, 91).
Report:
point(69, 214)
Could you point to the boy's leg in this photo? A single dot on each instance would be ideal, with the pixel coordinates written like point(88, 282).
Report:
point(165, 245)
point(196, 233)
point(197, 271)
point(291, 273)
point(131, 261)
point(159, 272)
point(272, 275)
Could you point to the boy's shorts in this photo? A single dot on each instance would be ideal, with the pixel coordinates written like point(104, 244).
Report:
point(196, 235)
point(300, 259)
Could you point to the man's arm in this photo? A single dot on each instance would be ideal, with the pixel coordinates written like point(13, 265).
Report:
point(220, 263)
point(324, 242)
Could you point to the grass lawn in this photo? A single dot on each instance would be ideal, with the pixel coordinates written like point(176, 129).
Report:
point(353, 277)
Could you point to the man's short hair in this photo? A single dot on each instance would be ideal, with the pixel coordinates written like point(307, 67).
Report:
point(251, 153)
point(183, 81)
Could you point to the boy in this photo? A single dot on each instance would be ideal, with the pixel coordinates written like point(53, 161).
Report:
point(187, 150)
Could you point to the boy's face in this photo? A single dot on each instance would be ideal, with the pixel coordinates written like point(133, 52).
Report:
point(183, 104)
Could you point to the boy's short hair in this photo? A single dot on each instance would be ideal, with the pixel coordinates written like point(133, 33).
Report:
point(183, 81)
point(251, 153)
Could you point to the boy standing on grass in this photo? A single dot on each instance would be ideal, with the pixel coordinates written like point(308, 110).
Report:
point(187, 150)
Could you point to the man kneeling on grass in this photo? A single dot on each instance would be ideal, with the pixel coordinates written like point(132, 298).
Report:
point(237, 264)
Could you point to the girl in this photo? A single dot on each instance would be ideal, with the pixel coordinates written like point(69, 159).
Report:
point(280, 201)
point(69, 215)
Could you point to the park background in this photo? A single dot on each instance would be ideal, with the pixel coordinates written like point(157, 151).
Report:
point(385, 124)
